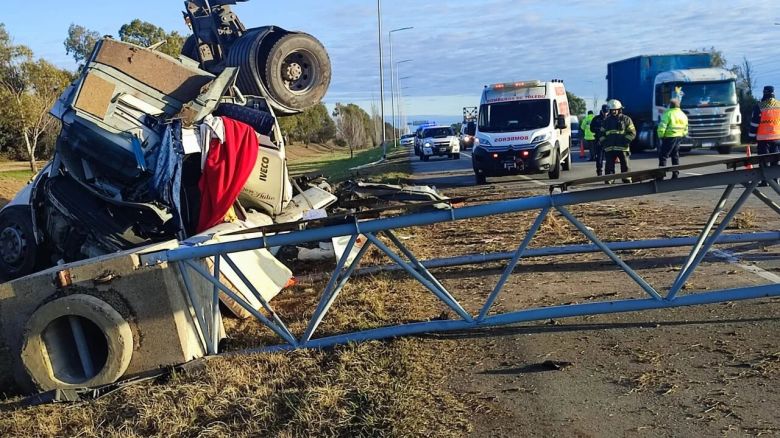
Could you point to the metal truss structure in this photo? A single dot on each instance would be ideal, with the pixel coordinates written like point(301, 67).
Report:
point(381, 234)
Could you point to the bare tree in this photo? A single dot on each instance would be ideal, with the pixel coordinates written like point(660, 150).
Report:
point(350, 126)
point(748, 76)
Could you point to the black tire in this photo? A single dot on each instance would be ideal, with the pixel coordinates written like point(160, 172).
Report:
point(456, 156)
point(18, 248)
point(724, 150)
point(424, 157)
point(555, 170)
point(298, 71)
point(567, 161)
point(480, 178)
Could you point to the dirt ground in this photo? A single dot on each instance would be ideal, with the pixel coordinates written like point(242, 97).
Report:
point(699, 371)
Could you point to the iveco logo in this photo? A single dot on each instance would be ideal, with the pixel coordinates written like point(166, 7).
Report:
point(264, 163)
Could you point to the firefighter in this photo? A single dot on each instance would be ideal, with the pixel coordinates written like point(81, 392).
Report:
point(597, 153)
point(672, 129)
point(616, 136)
point(588, 135)
point(765, 125)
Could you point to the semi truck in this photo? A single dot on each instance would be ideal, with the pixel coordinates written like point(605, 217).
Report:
point(646, 84)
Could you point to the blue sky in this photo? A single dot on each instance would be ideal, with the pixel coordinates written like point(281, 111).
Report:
point(456, 46)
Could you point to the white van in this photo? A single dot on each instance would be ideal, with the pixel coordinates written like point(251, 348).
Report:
point(523, 128)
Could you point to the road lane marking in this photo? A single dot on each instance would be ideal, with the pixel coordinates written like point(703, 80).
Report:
point(734, 260)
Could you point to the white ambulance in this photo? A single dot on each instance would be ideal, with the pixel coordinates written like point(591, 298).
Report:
point(523, 128)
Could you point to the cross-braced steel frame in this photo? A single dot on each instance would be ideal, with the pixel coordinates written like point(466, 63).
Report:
point(188, 260)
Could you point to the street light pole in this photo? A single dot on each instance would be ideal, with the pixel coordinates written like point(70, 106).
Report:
point(381, 81)
point(392, 75)
point(398, 97)
point(396, 85)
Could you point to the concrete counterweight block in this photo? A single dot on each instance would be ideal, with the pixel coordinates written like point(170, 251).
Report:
point(98, 321)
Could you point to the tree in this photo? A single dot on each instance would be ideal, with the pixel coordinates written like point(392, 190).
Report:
point(80, 42)
point(26, 111)
point(312, 125)
point(145, 34)
point(353, 126)
point(28, 89)
point(577, 104)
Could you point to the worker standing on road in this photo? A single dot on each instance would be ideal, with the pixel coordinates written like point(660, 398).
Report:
point(672, 129)
point(616, 136)
point(588, 134)
point(765, 125)
point(597, 153)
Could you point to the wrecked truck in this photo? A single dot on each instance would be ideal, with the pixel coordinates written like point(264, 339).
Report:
point(154, 148)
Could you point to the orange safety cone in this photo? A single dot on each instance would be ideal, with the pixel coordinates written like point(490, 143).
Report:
point(748, 165)
point(582, 149)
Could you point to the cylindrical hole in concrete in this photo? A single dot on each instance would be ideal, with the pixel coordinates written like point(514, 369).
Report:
point(76, 347)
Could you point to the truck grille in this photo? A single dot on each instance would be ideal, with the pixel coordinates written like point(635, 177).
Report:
point(442, 143)
point(708, 126)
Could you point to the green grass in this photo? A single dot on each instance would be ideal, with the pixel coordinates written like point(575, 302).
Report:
point(22, 175)
point(336, 166)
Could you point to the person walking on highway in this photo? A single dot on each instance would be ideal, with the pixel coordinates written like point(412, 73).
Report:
point(765, 125)
point(615, 137)
point(588, 134)
point(672, 129)
point(597, 152)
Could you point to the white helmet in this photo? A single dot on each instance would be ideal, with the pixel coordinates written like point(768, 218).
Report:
point(615, 104)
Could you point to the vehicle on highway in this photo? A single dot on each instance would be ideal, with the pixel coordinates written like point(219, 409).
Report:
point(407, 140)
point(708, 96)
point(439, 141)
point(523, 128)
point(469, 128)
point(576, 132)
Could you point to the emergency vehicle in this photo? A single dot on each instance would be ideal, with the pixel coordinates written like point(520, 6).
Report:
point(523, 128)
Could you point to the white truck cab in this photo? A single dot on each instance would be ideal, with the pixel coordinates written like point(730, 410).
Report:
point(523, 128)
point(709, 97)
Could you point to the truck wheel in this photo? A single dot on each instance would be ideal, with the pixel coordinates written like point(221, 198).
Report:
point(424, 157)
point(298, 71)
point(567, 161)
point(480, 178)
point(555, 170)
point(18, 248)
point(456, 156)
point(724, 150)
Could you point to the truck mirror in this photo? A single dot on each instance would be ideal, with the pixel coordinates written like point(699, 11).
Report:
point(560, 122)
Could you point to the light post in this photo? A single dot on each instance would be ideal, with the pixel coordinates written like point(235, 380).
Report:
point(401, 120)
point(395, 86)
point(392, 75)
point(381, 80)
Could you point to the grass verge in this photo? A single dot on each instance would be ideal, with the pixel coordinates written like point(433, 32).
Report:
point(337, 166)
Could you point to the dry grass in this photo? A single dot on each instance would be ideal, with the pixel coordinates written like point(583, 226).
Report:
point(745, 220)
point(371, 389)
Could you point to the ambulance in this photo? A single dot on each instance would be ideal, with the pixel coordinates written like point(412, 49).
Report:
point(523, 128)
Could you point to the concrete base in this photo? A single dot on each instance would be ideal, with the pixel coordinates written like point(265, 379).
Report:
point(151, 300)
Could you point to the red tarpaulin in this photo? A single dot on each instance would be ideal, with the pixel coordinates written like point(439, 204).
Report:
point(226, 171)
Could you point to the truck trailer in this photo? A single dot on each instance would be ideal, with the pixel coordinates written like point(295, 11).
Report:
point(646, 84)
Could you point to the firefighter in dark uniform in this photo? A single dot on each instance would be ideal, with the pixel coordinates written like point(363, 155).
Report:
point(597, 152)
point(765, 124)
point(616, 136)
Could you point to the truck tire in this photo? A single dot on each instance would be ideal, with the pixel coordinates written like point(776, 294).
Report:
point(555, 170)
point(298, 71)
point(724, 150)
point(456, 156)
point(480, 178)
point(18, 247)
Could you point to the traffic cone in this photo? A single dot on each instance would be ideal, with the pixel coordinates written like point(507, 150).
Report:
point(747, 154)
point(582, 149)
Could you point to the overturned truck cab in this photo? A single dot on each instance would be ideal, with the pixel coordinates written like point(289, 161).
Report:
point(152, 148)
